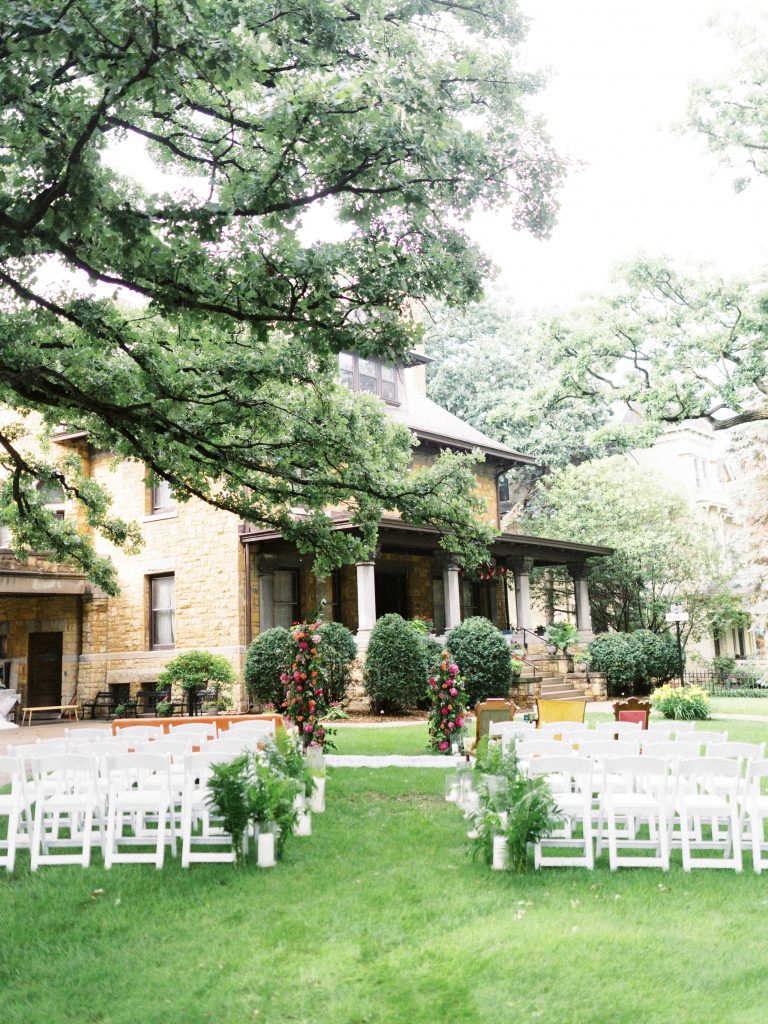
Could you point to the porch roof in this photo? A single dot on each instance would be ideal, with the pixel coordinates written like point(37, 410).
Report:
point(395, 534)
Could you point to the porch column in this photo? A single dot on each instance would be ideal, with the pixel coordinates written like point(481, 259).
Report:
point(366, 602)
point(579, 574)
point(452, 596)
point(266, 601)
point(523, 594)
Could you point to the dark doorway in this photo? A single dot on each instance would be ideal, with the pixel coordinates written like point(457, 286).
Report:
point(391, 593)
point(44, 668)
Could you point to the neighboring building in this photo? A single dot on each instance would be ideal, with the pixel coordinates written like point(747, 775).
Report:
point(205, 580)
point(699, 460)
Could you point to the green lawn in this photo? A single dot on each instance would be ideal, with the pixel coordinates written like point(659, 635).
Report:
point(380, 918)
point(740, 706)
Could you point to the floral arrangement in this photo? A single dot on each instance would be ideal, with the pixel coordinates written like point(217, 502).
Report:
point(304, 702)
point(446, 690)
point(490, 572)
point(518, 660)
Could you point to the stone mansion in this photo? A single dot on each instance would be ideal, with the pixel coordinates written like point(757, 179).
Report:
point(203, 579)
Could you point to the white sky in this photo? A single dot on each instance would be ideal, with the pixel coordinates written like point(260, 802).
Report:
point(619, 71)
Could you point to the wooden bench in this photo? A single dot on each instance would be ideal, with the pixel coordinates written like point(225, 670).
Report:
point(62, 708)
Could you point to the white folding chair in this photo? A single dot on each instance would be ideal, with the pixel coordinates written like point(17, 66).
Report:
point(570, 779)
point(99, 735)
point(671, 750)
point(199, 829)
point(756, 808)
point(708, 787)
point(11, 808)
point(139, 789)
point(500, 730)
point(682, 725)
point(65, 800)
point(242, 744)
point(635, 791)
point(733, 748)
point(257, 724)
point(705, 737)
point(618, 728)
point(139, 732)
point(204, 731)
point(660, 729)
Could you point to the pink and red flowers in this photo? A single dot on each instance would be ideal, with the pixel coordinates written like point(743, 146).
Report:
point(446, 690)
point(303, 702)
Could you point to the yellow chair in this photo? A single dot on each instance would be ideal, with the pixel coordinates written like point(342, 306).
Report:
point(559, 711)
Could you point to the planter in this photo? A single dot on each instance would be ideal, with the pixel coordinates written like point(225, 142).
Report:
point(265, 849)
point(317, 800)
point(500, 860)
point(551, 650)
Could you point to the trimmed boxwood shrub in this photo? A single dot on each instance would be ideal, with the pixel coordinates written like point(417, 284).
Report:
point(483, 657)
point(395, 665)
point(337, 652)
point(632, 662)
point(267, 657)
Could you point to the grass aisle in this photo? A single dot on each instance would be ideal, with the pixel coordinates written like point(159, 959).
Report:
point(380, 918)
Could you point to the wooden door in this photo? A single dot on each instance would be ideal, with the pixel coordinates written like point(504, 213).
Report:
point(44, 669)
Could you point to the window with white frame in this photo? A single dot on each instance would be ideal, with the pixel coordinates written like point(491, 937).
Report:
point(162, 496)
point(372, 375)
point(285, 583)
point(162, 611)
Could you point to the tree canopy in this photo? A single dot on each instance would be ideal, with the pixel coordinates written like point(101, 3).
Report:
point(197, 319)
point(675, 345)
point(663, 552)
point(732, 112)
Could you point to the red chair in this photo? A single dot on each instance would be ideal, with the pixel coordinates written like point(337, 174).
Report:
point(632, 710)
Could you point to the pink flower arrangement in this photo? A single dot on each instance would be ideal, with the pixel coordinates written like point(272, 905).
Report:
point(446, 690)
point(304, 702)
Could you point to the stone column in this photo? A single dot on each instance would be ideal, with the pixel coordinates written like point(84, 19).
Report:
point(452, 595)
point(266, 601)
point(523, 593)
point(579, 575)
point(366, 602)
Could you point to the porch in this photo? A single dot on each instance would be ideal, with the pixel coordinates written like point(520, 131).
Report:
point(409, 574)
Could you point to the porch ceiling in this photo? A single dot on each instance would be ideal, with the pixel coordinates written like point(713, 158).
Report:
point(397, 535)
point(34, 584)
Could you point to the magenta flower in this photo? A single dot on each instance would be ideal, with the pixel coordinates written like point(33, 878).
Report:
point(443, 745)
point(453, 691)
point(308, 727)
point(303, 646)
point(284, 678)
point(297, 676)
point(443, 711)
point(451, 725)
point(459, 722)
point(453, 668)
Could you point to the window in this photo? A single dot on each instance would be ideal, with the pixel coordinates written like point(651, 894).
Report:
point(438, 604)
point(162, 611)
point(336, 596)
point(162, 496)
point(286, 597)
point(371, 375)
point(503, 487)
point(471, 596)
point(51, 492)
point(5, 664)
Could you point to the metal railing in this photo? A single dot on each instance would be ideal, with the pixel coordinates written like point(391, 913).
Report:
point(733, 683)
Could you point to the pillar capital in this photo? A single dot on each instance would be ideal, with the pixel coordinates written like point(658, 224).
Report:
point(522, 566)
point(578, 570)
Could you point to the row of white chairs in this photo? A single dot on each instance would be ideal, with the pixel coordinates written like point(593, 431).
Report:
point(701, 806)
point(66, 793)
point(663, 729)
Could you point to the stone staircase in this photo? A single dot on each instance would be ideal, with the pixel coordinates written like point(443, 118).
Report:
point(548, 677)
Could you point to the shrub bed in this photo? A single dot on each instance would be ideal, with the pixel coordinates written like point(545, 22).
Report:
point(681, 702)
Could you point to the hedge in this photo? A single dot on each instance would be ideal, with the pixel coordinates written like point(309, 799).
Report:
point(267, 657)
point(337, 650)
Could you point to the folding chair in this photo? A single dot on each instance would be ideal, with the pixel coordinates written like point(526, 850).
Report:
point(708, 787)
point(87, 734)
point(139, 788)
point(503, 730)
point(255, 724)
point(204, 731)
point(11, 807)
point(635, 791)
point(65, 800)
point(552, 711)
point(139, 732)
point(570, 779)
point(619, 728)
point(196, 812)
point(756, 808)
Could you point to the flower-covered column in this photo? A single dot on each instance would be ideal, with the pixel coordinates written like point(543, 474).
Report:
point(446, 719)
point(305, 702)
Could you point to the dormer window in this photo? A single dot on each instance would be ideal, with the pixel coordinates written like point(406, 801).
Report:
point(371, 375)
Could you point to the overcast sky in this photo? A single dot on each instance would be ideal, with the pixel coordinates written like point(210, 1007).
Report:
point(618, 81)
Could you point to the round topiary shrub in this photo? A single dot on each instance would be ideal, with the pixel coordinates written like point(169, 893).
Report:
point(395, 665)
point(483, 657)
point(338, 651)
point(658, 654)
point(267, 657)
point(619, 659)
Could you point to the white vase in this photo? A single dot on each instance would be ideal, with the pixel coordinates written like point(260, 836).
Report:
point(500, 854)
point(317, 800)
point(303, 826)
point(266, 850)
